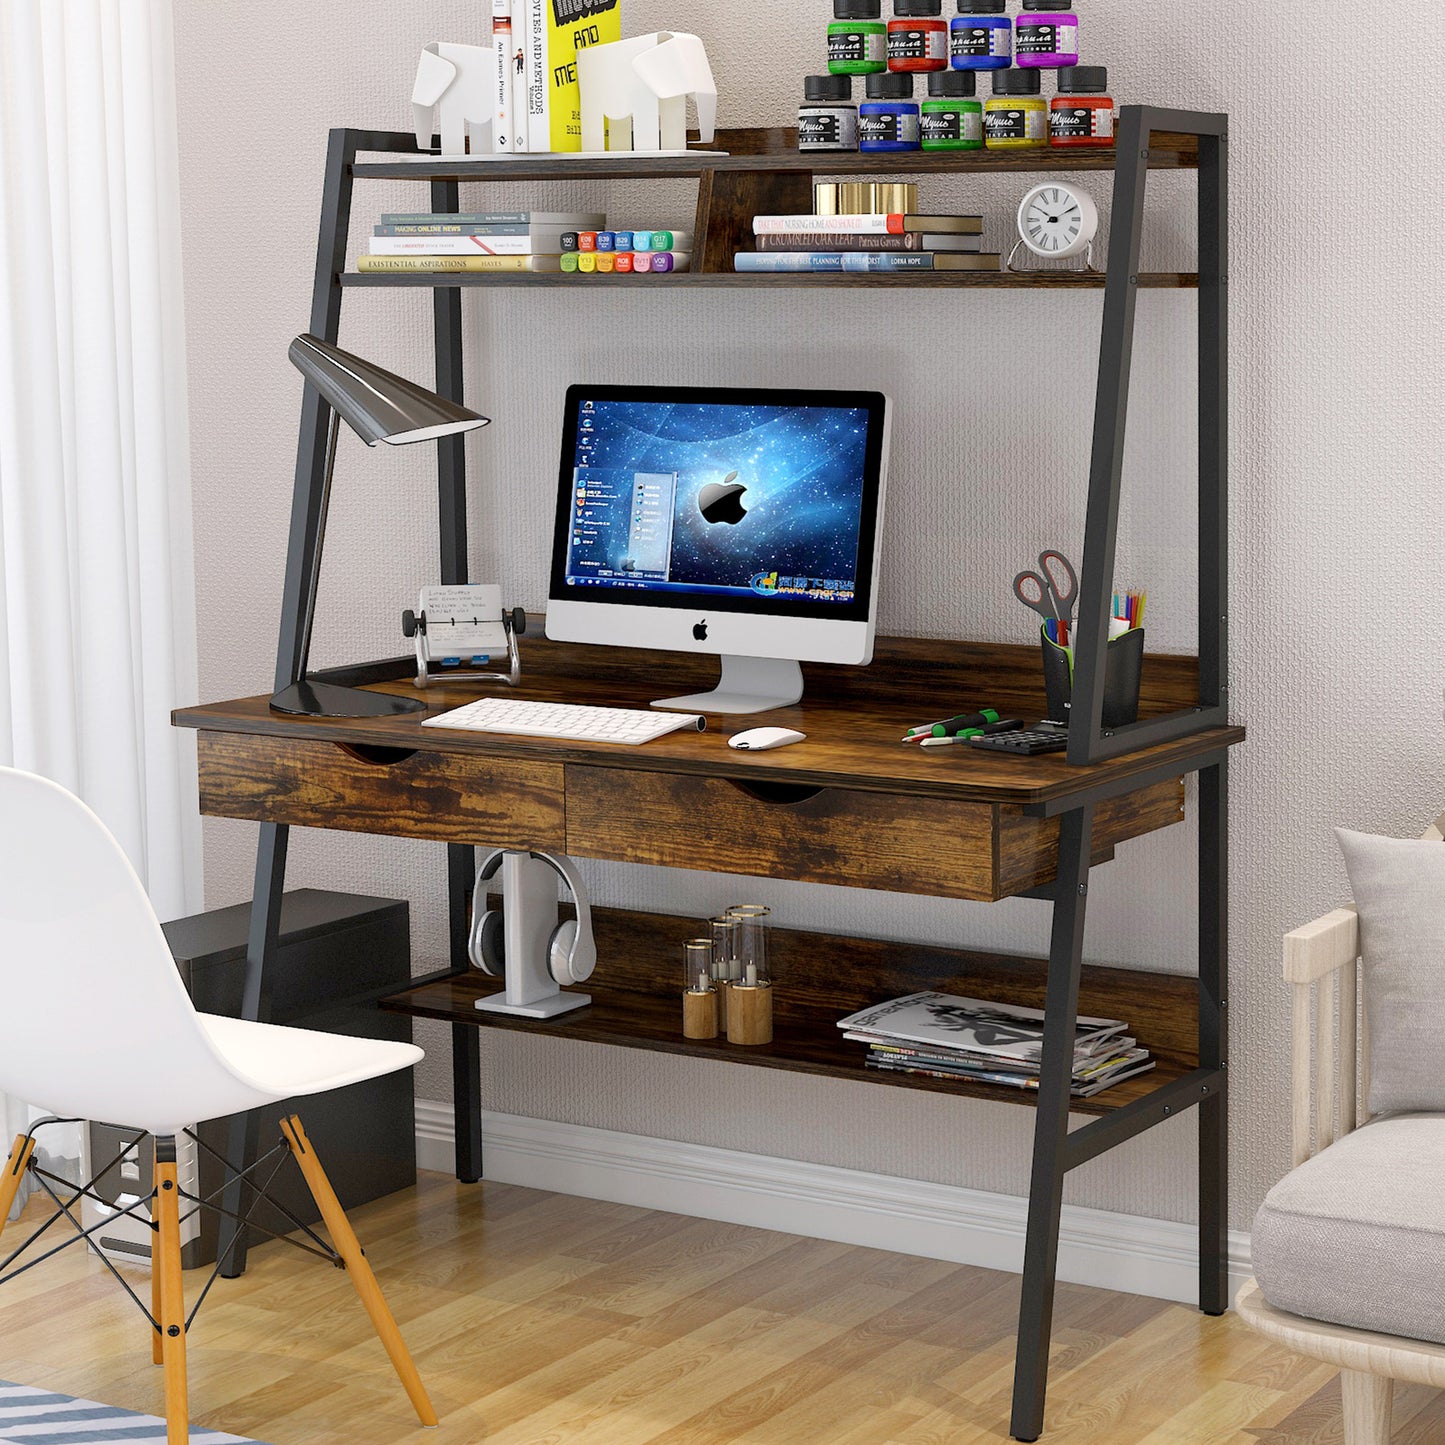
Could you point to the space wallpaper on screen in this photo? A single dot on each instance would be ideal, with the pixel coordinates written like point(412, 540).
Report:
point(802, 467)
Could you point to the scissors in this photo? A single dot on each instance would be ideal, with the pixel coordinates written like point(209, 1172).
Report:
point(1051, 590)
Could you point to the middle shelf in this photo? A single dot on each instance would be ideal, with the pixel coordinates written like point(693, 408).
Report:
point(820, 978)
point(966, 280)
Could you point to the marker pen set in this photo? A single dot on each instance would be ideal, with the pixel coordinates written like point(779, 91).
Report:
point(637, 252)
point(624, 263)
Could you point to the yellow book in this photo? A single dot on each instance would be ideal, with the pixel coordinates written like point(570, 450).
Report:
point(554, 31)
point(458, 263)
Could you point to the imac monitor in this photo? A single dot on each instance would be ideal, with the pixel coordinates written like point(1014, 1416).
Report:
point(740, 522)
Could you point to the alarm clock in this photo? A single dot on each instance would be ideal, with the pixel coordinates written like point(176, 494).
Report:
point(1057, 221)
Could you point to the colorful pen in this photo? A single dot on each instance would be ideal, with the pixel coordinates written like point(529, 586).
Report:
point(951, 724)
point(1005, 725)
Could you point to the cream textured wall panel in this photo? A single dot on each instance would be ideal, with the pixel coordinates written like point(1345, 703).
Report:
point(1336, 377)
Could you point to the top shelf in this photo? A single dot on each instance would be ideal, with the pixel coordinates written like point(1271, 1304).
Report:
point(774, 150)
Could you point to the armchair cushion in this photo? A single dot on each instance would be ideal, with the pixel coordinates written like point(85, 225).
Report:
point(1399, 888)
point(1356, 1235)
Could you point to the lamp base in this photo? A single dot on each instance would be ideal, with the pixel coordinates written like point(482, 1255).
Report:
point(327, 699)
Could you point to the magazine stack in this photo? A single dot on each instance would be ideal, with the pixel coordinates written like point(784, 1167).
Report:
point(943, 1036)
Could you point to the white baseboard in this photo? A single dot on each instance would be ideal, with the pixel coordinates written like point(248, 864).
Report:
point(968, 1226)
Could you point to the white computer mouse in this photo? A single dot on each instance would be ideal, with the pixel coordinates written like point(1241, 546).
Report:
point(759, 740)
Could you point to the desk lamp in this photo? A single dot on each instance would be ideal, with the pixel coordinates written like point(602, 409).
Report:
point(378, 406)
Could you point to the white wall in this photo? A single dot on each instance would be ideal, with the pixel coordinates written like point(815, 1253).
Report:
point(1337, 517)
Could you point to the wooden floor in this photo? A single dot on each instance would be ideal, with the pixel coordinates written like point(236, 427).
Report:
point(538, 1319)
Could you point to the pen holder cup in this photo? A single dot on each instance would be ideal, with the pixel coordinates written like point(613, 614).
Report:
point(1123, 669)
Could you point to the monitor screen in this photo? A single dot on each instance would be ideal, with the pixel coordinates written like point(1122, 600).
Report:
point(729, 500)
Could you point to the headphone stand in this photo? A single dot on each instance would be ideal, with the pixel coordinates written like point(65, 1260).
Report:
point(529, 896)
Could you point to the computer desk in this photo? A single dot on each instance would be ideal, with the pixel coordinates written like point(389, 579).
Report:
point(852, 806)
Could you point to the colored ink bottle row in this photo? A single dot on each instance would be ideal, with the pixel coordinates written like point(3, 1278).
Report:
point(982, 38)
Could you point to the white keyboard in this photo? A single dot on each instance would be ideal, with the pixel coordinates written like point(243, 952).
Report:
point(629, 725)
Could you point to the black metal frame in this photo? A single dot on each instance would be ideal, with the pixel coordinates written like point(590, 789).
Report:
point(1056, 1149)
point(165, 1153)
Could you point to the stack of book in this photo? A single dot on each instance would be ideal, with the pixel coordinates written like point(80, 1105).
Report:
point(865, 242)
point(943, 1036)
point(488, 241)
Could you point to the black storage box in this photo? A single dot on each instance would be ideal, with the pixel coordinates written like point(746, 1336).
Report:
point(338, 954)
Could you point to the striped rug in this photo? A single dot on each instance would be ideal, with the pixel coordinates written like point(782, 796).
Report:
point(41, 1417)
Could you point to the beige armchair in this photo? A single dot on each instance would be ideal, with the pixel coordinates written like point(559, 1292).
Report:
point(1330, 1080)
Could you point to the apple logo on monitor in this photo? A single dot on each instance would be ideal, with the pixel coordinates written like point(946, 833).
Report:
point(699, 630)
point(723, 501)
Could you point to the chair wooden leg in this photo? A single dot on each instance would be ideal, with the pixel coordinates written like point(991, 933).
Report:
point(346, 1244)
point(157, 1355)
point(168, 1287)
point(1367, 1400)
point(15, 1166)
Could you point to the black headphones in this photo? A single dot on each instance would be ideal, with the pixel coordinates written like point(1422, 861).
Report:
point(571, 950)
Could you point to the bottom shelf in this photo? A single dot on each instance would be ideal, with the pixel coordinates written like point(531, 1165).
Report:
point(819, 979)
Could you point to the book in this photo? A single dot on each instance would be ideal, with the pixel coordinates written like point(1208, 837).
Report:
point(578, 221)
point(982, 1027)
point(464, 246)
point(504, 130)
point(524, 25)
point(864, 241)
point(458, 263)
point(864, 261)
point(895, 224)
point(575, 220)
point(555, 31)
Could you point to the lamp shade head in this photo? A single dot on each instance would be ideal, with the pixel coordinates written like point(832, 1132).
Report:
point(378, 405)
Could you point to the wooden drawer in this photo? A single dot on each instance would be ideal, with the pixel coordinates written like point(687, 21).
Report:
point(853, 838)
point(448, 797)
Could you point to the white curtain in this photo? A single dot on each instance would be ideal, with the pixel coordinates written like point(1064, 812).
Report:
point(96, 596)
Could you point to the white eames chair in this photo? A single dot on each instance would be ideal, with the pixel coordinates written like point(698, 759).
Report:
point(90, 986)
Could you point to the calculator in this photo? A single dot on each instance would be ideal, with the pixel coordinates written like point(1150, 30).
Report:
point(1045, 737)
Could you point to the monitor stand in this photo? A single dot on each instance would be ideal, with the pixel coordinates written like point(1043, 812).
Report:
point(748, 684)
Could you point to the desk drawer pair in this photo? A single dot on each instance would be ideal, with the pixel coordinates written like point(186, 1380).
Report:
point(860, 839)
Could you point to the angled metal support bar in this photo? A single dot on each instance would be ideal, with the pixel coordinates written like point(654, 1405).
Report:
point(1115, 742)
point(1117, 787)
point(303, 560)
point(1087, 742)
point(1111, 410)
point(1168, 1102)
point(1051, 1125)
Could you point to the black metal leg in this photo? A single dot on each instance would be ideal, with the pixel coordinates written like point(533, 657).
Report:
point(452, 537)
point(255, 1005)
point(302, 562)
point(466, 1039)
point(1051, 1126)
point(1214, 1037)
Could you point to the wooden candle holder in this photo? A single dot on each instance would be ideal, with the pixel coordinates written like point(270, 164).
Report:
point(750, 1013)
point(700, 1013)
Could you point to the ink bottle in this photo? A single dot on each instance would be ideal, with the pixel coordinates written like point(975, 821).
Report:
point(857, 38)
point(952, 120)
point(981, 37)
point(1047, 36)
point(827, 118)
point(1016, 115)
point(917, 38)
point(888, 119)
point(1082, 113)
